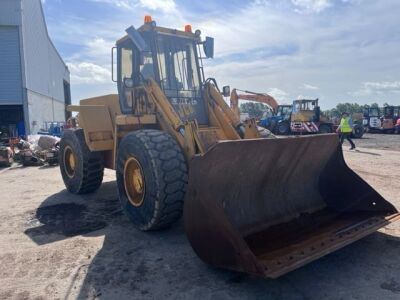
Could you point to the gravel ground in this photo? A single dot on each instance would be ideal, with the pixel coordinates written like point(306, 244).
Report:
point(379, 141)
point(54, 245)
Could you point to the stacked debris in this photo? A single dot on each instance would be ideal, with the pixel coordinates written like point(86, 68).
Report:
point(38, 150)
point(50, 146)
point(6, 156)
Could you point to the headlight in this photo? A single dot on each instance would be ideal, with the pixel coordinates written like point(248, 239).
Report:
point(128, 82)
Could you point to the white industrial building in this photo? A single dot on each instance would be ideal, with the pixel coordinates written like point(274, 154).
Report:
point(34, 80)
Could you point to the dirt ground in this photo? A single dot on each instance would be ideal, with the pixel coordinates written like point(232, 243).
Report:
point(54, 245)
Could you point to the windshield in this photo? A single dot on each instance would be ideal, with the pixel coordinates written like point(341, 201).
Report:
point(177, 66)
point(284, 111)
point(304, 105)
point(389, 111)
point(374, 112)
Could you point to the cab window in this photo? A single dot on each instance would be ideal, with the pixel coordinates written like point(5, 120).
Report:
point(126, 63)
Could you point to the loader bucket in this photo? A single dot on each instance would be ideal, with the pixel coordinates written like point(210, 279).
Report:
point(269, 206)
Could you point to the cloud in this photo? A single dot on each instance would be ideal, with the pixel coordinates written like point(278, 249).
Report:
point(309, 87)
point(123, 4)
point(291, 45)
point(380, 87)
point(278, 94)
point(383, 86)
point(88, 73)
point(311, 6)
point(166, 6)
point(318, 6)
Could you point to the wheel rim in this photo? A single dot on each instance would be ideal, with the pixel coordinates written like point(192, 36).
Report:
point(69, 161)
point(134, 182)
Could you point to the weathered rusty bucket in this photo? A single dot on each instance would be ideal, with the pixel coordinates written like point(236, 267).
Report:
point(269, 206)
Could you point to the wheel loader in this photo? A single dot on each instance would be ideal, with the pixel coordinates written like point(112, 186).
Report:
point(250, 204)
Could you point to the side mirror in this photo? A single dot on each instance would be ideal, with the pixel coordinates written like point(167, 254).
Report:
point(208, 47)
point(226, 91)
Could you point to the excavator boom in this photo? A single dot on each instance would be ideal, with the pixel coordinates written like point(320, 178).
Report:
point(251, 96)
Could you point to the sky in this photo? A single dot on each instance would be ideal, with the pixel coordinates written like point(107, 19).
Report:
point(334, 50)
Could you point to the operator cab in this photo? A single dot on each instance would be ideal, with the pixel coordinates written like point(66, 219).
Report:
point(169, 57)
point(308, 109)
point(284, 111)
point(389, 112)
point(371, 112)
point(305, 105)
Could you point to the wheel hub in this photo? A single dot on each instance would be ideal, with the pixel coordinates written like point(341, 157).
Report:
point(134, 181)
point(69, 161)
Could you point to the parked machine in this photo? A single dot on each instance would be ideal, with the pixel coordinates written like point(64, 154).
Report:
point(372, 121)
point(255, 205)
point(389, 118)
point(306, 118)
point(250, 96)
point(52, 128)
point(279, 121)
point(382, 120)
point(272, 120)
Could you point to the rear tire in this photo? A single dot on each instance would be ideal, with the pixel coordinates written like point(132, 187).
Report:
point(358, 131)
point(282, 128)
point(81, 169)
point(151, 178)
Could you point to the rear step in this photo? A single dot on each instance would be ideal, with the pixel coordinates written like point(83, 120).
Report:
point(269, 206)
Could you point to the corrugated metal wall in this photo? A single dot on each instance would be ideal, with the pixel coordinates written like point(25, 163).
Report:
point(44, 68)
point(32, 73)
point(10, 12)
point(10, 66)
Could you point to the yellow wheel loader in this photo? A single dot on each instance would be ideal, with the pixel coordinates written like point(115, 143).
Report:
point(251, 204)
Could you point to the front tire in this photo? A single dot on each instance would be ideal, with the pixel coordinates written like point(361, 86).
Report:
point(81, 169)
point(151, 178)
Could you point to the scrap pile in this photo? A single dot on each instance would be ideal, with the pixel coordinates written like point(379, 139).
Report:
point(6, 156)
point(37, 150)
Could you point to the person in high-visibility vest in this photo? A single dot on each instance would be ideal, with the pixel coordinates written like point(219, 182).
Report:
point(346, 129)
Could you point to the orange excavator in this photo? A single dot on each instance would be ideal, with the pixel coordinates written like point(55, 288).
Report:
point(277, 123)
point(251, 96)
